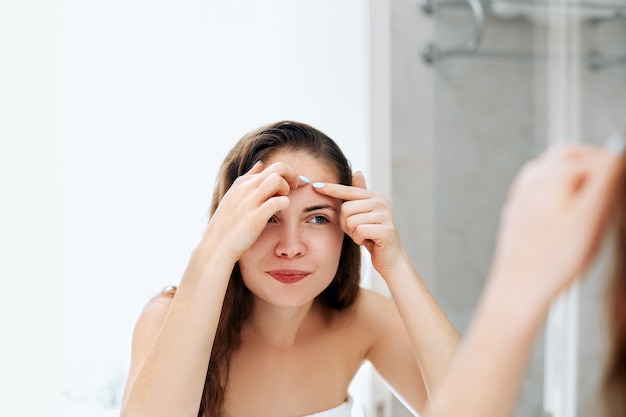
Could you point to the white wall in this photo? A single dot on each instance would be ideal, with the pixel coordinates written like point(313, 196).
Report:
point(30, 255)
point(114, 118)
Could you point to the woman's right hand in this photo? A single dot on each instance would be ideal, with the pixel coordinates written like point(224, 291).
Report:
point(246, 207)
point(554, 218)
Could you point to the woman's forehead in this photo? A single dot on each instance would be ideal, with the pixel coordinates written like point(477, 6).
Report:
point(315, 169)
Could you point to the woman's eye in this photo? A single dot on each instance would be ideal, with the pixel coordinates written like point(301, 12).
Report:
point(271, 220)
point(318, 219)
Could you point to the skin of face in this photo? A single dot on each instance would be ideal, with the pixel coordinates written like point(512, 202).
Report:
point(296, 256)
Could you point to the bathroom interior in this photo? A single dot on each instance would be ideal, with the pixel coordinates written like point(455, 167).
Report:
point(440, 102)
point(505, 79)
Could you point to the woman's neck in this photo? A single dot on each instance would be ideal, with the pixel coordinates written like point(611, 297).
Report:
point(281, 327)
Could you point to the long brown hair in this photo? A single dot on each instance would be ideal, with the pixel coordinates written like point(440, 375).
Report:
point(259, 145)
point(614, 381)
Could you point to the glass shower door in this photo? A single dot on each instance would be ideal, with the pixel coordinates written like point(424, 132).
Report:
point(512, 77)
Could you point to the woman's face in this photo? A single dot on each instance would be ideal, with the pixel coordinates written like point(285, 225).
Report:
point(296, 257)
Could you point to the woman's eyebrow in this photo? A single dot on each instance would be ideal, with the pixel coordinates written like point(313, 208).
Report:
point(319, 207)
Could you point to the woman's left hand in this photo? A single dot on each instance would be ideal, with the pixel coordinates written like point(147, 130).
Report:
point(367, 217)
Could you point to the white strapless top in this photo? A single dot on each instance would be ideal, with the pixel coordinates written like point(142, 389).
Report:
point(342, 410)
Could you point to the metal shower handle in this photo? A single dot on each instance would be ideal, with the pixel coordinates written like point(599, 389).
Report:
point(431, 53)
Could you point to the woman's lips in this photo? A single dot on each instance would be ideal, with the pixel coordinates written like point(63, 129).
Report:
point(287, 276)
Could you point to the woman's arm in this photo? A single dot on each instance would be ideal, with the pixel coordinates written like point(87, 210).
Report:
point(550, 230)
point(433, 337)
point(418, 329)
point(172, 342)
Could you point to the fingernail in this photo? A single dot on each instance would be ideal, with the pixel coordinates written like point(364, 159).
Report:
point(318, 185)
point(304, 179)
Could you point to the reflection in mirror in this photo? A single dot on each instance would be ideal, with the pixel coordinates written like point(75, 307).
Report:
point(135, 105)
point(149, 110)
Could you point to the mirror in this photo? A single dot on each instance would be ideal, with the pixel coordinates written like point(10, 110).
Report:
point(118, 114)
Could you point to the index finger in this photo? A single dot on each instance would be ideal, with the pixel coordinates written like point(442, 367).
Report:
point(340, 191)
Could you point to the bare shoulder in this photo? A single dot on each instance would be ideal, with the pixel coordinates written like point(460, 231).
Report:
point(375, 314)
point(369, 295)
point(156, 309)
point(373, 306)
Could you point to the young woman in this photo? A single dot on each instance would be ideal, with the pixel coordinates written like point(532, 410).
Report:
point(551, 227)
point(268, 318)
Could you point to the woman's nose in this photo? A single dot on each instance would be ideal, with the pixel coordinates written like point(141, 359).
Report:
point(290, 243)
